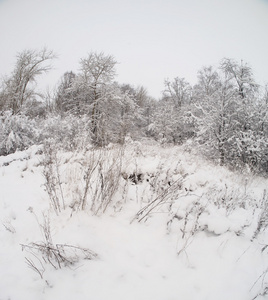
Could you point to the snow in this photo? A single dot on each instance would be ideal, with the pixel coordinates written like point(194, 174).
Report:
point(213, 256)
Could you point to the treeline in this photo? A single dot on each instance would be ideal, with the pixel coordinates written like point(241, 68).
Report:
point(224, 114)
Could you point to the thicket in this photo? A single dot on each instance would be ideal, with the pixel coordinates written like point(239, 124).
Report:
point(224, 114)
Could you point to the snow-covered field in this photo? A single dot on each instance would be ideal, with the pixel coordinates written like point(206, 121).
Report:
point(174, 227)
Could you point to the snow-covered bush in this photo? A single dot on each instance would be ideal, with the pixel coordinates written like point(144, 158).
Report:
point(17, 132)
point(250, 149)
point(69, 133)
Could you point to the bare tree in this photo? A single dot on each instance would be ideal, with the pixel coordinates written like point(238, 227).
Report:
point(179, 90)
point(98, 69)
point(19, 88)
point(208, 84)
point(242, 76)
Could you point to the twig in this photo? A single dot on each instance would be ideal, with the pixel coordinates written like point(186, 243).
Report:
point(160, 199)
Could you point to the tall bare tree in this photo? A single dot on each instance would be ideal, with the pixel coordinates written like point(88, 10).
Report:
point(178, 90)
point(242, 76)
point(19, 87)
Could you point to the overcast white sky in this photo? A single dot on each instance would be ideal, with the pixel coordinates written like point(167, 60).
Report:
point(151, 39)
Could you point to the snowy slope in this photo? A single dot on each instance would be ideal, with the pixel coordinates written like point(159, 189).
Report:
point(198, 242)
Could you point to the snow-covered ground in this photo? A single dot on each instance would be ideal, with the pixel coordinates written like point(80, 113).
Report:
point(177, 228)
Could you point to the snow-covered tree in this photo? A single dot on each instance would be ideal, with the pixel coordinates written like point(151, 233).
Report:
point(65, 100)
point(143, 110)
point(178, 90)
point(19, 87)
point(242, 76)
point(94, 83)
point(216, 119)
point(171, 118)
point(229, 114)
point(208, 84)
